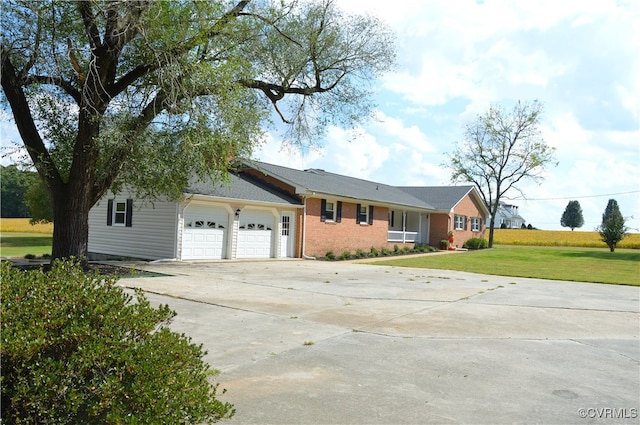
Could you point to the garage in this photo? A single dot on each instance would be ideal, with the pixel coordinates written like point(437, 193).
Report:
point(205, 232)
point(255, 234)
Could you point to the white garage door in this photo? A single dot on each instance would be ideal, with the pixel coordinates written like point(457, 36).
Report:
point(205, 233)
point(255, 234)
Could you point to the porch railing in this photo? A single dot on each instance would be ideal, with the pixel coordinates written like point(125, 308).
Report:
point(400, 236)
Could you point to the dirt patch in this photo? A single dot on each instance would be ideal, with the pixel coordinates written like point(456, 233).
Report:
point(104, 269)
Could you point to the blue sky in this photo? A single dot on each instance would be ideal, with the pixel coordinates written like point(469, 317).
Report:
point(455, 58)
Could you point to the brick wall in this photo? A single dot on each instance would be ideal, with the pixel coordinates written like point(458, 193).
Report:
point(271, 181)
point(442, 223)
point(469, 208)
point(438, 228)
point(347, 235)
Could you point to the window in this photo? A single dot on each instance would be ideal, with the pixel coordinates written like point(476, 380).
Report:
point(459, 222)
point(286, 221)
point(119, 212)
point(476, 224)
point(364, 214)
point(330, 211)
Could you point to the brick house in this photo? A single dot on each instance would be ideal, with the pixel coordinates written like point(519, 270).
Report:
point(267, 211)
point(465, 212)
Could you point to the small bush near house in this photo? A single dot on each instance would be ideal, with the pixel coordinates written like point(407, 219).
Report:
point(385, 252)
point(330, 255)
point(444, 244)
point(423, 247)
point(77, 349)
point(396, 249)
point(361, 254)
point(345, 255)
point(374, 252)
point(475, 243)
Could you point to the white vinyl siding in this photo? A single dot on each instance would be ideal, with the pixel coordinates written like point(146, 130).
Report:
point(152, 236)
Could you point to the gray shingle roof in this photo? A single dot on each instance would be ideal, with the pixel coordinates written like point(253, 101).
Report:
point(242, 187)
point(441, 197)
point(323, 182)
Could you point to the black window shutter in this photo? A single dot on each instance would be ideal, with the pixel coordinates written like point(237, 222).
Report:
point(370, 214)
point(110, 212)
point(358, 214)
point(323, 210)
point(339, 212)
point(129, 213)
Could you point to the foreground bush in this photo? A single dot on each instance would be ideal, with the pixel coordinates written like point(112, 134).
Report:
point(77, 349)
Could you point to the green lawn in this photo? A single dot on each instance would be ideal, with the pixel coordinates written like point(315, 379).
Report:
point(576, 264)
point(21, 244)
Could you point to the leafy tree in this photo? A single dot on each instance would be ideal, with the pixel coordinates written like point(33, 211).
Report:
point(76, 349)
point(613, 229)
point(500, 150)
point(14, 183)
point(38, 202)
point(572, 216)
point(152, 93)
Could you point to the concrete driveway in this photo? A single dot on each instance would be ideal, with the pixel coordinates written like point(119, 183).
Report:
point(308, 342)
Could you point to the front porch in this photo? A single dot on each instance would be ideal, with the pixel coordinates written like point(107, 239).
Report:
point(408, 227)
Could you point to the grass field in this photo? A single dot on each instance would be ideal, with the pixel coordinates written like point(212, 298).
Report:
point(621, 267)
point(20, 244)
point(558, 238)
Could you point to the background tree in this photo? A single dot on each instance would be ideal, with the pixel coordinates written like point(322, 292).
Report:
point(38, 202)
point(14, 183)
point(572, 216)
point(613, 229)
point(151, 93)
point(500, 150)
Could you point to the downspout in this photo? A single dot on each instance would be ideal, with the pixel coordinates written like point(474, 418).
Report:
point(304, 230)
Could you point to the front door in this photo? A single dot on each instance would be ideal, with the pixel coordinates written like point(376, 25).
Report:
point(286, 236)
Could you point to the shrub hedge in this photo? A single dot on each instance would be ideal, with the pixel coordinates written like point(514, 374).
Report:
point(475, 243)
point(77, 349)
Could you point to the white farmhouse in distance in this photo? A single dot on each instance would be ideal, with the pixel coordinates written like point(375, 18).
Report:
point(508, 215)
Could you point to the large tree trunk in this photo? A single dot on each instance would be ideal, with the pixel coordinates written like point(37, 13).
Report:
point(71, 223)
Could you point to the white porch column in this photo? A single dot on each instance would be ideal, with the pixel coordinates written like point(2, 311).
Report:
point(404, 226)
